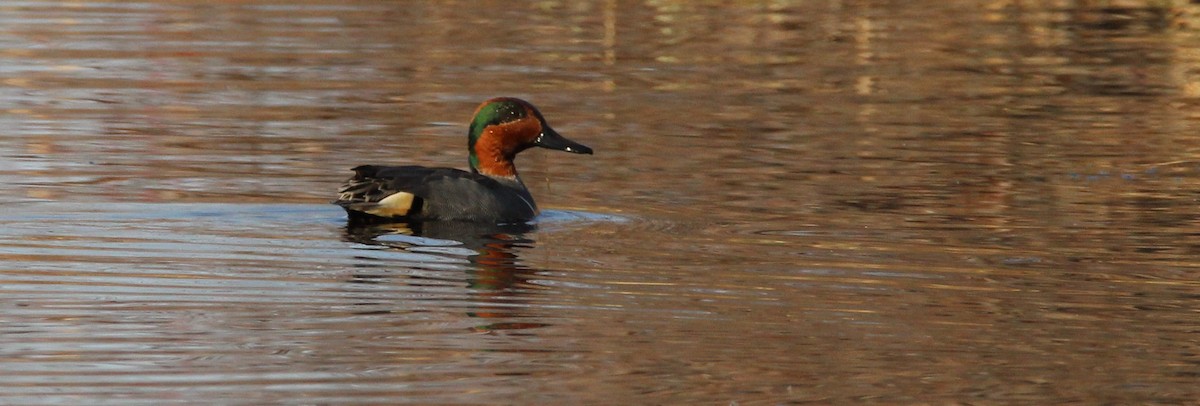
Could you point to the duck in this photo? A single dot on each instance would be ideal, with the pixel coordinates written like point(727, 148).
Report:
point(491, 192)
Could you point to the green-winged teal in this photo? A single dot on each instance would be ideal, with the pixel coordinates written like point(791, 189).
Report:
point(491, 192)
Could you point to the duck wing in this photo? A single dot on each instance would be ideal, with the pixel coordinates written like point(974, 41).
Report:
point(388, 191)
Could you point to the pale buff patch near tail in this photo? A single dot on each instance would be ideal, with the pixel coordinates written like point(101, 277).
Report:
point(396, 205)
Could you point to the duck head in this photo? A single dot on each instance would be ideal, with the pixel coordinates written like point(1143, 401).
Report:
point(505, 126)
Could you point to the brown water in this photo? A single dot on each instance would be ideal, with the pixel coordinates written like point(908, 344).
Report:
point(791, 202)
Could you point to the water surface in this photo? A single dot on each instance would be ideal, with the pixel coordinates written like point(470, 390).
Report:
point(843, 202)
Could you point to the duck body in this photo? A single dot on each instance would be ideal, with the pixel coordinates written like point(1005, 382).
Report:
point(490, 192)
point(436, 194)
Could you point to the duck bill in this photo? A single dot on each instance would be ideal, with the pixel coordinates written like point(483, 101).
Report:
point(552, 140)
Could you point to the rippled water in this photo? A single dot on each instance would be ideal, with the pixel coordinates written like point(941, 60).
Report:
point(838, 202)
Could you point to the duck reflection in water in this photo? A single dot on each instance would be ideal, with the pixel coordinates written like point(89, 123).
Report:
point(495, 274)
